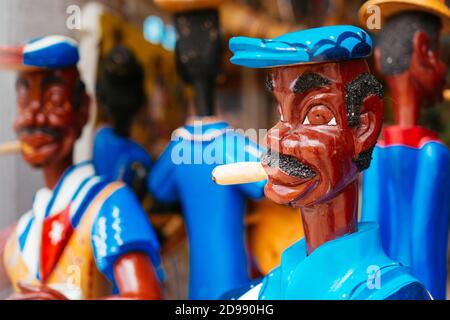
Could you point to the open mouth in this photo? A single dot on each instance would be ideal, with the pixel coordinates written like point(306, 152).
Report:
point(289, 165)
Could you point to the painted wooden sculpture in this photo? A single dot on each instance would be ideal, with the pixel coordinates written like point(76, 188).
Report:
point(214, 215)
point(407, 187)
point(84, 238)
point(121, 95)
point(331, 113)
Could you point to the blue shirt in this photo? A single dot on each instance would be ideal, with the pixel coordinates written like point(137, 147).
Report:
point(407, 191)
point(119, 158)
point(214, 214)
point(352, 267)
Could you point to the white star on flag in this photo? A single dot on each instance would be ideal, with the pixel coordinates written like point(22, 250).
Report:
point(56, 232)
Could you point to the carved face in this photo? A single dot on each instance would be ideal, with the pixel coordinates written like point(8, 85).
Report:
point(48, 123)
point(312, 149)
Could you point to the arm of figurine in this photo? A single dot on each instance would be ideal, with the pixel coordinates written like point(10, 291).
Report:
point(134, 275)
point(4, 235)
point(161, 181)
point(136, 278)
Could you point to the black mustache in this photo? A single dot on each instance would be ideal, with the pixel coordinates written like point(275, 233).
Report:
point(290, 165)
point(44, 130)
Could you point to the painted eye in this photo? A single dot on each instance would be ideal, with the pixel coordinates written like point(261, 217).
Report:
point(320, 115)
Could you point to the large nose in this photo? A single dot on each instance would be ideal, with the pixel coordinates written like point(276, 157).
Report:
point(37, 112)
point(32, 115)
point(276, 135)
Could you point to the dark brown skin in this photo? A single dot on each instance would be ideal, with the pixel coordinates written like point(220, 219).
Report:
point(329, 201)
point(44, 101)
point(420, 85)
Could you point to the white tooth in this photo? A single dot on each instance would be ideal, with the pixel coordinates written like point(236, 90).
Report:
point(306, 121)
point(332, 122)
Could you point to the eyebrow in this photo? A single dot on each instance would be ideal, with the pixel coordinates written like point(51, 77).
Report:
point(51, 80)
point(309, 81)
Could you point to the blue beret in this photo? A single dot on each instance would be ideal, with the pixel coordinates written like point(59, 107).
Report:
point(318, 45)
point(51, 52)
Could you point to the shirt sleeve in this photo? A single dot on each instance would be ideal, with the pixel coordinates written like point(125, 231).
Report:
point(122, 227)
point(162, 179)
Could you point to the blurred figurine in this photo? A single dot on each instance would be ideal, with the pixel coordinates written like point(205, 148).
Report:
point(214, 214)
point(121, 95)
point(407, 188)
point(331, 113)
point(84, 238)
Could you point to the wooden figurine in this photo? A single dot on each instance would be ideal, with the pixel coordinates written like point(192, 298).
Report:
point(407, 188)
point(84, 237)
point(331, 113)
point(214, 215)
point(121, 95)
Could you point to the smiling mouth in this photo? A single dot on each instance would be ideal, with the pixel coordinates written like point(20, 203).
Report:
point(289, 165)
point(38, 140)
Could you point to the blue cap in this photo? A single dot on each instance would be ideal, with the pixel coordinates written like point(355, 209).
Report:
point(318, 45)
point(51, 52)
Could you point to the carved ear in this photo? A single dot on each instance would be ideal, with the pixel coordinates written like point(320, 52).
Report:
point(421, 50)
point(370, 123)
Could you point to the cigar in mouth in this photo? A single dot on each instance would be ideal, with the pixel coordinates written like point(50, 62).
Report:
point(239, 173)
point(10, 147)
point(288, 164)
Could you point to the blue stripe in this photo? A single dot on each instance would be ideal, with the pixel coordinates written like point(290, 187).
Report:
point(87, 201)
point(60, 183)
point(24, 235)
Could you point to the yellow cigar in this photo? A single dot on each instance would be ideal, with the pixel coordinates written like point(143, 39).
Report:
point(238, 173)
point(446, 94)
point(10, 147)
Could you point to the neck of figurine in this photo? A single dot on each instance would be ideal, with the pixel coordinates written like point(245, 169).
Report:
point(204, 97)
point(54, 171)
point(330, 220)
point(406, 98)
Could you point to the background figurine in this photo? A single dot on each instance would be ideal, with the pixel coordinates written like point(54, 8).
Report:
point(84, 237)
point(331, 113)
point(407, 188)
point(214, 214)
point(121, 95)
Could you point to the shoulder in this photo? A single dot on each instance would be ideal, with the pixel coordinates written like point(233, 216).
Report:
point(412, 291)
point(120, 227)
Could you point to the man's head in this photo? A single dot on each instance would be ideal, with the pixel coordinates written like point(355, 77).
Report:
point(330, 119)
point(409, 44)
point(52, 108)
point(198, 54)
point(330, 110)
point(120, 88)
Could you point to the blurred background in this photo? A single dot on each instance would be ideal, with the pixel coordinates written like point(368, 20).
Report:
point(149, 33)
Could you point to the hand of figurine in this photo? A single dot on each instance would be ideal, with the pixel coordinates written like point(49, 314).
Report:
point(33, 292)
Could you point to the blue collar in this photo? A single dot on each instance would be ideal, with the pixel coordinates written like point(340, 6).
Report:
point(332, 271)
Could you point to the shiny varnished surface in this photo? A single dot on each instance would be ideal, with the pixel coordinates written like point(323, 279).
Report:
point(313, 129)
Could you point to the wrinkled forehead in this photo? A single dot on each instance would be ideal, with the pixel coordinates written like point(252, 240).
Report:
point(339, 73)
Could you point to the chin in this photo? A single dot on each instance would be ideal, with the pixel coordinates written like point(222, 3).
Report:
point(296, 197)
point(37, 160)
